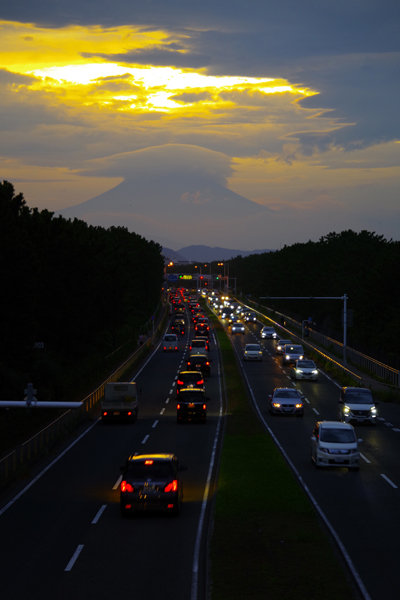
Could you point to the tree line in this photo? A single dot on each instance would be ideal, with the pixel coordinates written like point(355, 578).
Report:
point(71, 295)
point(365, 266)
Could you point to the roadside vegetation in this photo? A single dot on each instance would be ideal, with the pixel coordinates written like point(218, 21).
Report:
point(267, 541)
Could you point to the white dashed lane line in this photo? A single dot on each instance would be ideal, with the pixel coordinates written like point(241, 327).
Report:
point(100, 512)
point(154, 424)
point(116, 485)
point(365, 458)
point(315, 410)
point(74, 558)
point(388, 480)
point(145, 439)
point(162, 411)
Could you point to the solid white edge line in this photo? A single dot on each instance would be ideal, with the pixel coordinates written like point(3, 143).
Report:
point(312, 499)
point(388, 480)
point(99, 513)
point(26, 488)
point(74, 558)
point(195, 568)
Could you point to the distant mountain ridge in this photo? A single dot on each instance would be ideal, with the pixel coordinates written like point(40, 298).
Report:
point(200, 253)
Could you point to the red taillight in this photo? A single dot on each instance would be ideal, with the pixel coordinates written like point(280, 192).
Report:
point(105, 413)
point(165, 347)
point(201, 382)
point(178, 406)
point(172, 487)
point(207, 363)
point(179, 382)
point(148, 462)
point(204, 406)
point(126, 487)
point(129, 413)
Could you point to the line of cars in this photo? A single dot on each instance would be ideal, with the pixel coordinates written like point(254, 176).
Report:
point(153, 481)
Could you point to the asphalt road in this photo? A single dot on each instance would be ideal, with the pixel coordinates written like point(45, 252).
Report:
point(63, 537)
point(361, 507)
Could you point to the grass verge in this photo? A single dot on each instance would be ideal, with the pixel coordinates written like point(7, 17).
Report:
point(267, 541)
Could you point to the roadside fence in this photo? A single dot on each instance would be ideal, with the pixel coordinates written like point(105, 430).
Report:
point(45, 438)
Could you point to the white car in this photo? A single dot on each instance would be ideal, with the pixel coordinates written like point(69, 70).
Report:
point(357, 405)
point(304, 369)
point(238, 328)
point(170, 342)
point(268, 332)
point(334, 444)
point(280, 346)
point(252, 352)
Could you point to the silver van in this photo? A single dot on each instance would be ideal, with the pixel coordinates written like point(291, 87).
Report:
point(291, 353)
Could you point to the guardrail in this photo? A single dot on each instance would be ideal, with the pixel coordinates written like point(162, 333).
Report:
point(48, 435)
point(390, 376)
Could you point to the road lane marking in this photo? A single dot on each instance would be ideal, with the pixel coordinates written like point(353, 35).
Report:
point(365, 458)
point(306, 399)
point(100, 512)
point(171, 391)
point(315, 410)
point(145, 439)
point(116, 485)
point(154, 424)
point(162, 411)
point(74, 558)
point(167, 400)
point(388, 480)
point(388, 424)
point(396, 429)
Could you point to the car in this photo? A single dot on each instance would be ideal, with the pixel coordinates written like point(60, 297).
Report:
point(304, 369)
point(280, 346)
point(191, 405)
point(252, 352)
point(202, 329)
point(238, 327)
point(268, 332)
point(286, 401)
point(189, 379)
point(291, 353)
point(250, 317)
point(233, 318)
point(178, 327)
point(334, 444)
point(199, 362)
point(151, 482)
point(357, 405)
point(170, 342)
point(201, 343)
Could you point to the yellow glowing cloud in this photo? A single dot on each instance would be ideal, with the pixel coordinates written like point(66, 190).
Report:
point(58, 60)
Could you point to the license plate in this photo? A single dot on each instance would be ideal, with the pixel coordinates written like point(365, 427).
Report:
point(288, 409)
point(191, 405)
point(116, 413)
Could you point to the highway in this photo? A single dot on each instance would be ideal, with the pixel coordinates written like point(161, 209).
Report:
point(361, 507)
point(62, 534)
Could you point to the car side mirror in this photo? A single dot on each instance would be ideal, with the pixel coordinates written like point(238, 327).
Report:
point(269, 397)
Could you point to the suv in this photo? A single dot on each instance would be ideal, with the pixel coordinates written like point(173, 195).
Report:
point(357, 405)
point(334, 444)
point(191, 405)
point(151, 482)
point(250, 317)
point(292, 353)
point(200, 344)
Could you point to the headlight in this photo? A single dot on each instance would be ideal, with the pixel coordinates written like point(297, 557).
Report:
point(315, 372)
point(346, 409)
point(373, 409)
point(287, 357)
point(299, 371)
point(276, 405)
point(299, 406)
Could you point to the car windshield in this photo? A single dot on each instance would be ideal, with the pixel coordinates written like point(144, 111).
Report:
point(286, 394)
point(295, 349)
point(198, 344)
point(306, 364)
point(170, 338)
point(337, 435)
point(157, 470)
point(189, 376)
point(359, 397)
point(252, 348)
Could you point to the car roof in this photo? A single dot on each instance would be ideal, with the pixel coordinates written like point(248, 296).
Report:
point(335, 424)
point(158, 457)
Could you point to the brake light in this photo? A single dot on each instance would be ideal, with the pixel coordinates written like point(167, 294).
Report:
point(179, 382)
point(207, 363)
point(129, 413)
point(171, 487)
point(178, 406)
point(201, 382)
point(105, 413)
point(126, 487)
point(204, 406)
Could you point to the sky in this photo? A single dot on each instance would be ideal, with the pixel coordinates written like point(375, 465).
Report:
point(291, 105)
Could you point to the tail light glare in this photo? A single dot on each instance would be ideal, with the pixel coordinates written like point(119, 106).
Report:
point(126, 487)
point(171, 487)
point(178, 406)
